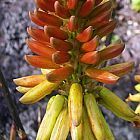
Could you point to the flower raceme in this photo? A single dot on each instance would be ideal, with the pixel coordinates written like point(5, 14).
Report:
point(67, 49)
point(68, 32)
point(69, 38)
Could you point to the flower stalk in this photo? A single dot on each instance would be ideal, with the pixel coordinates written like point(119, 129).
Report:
point(12, 108)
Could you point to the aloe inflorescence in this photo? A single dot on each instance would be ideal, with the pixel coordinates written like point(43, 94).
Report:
point(67, 48)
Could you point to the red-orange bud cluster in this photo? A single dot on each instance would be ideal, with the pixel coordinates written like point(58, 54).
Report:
point(72, 27)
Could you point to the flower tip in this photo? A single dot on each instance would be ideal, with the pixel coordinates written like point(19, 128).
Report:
point(28, 29)
point(26, 58)
point(27, 41)
point(15, 81)
point(128, 98)
point(45, 27)
point(23, 100)
point(52, 39)
point(30, 14)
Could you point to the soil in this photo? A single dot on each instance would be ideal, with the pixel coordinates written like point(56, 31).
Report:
point(13, 22)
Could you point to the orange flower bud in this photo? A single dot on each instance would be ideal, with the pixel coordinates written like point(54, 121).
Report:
point(86, 35)
point(48, 19)
point(60, 45)
point(106, 29)
point(61, 11)
point(36, 20)
point(72, 24)
point(86, 8)
point(41, 62)
point(45, 5)
point(100, 18)
point(91, 45)
point(30, 81)
point(102, 75)
point(120, 69)
point(112, 51)
point(90, 58)
point(38, 34)
point(52, 31)
point(60, 57)
point(60, 74)
point(100, 9)
point(72, 4)
point(40, 48)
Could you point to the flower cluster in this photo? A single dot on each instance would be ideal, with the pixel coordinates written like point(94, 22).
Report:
point(67, 47)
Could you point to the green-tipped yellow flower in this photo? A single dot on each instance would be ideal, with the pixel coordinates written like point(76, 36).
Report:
point(49, 120)
point(76, 103)
point(38, 92)
point(61, 128)
point(95, 117)
point(117, 106)
point(87, 132)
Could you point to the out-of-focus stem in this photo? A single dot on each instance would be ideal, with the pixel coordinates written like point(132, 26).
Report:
point(12, 108)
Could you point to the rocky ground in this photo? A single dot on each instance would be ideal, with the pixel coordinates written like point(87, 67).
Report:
point(14, 21)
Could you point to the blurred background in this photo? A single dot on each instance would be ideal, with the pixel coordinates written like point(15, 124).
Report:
point(13, 23)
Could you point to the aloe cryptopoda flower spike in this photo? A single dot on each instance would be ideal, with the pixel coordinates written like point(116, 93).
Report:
point(69, 52)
